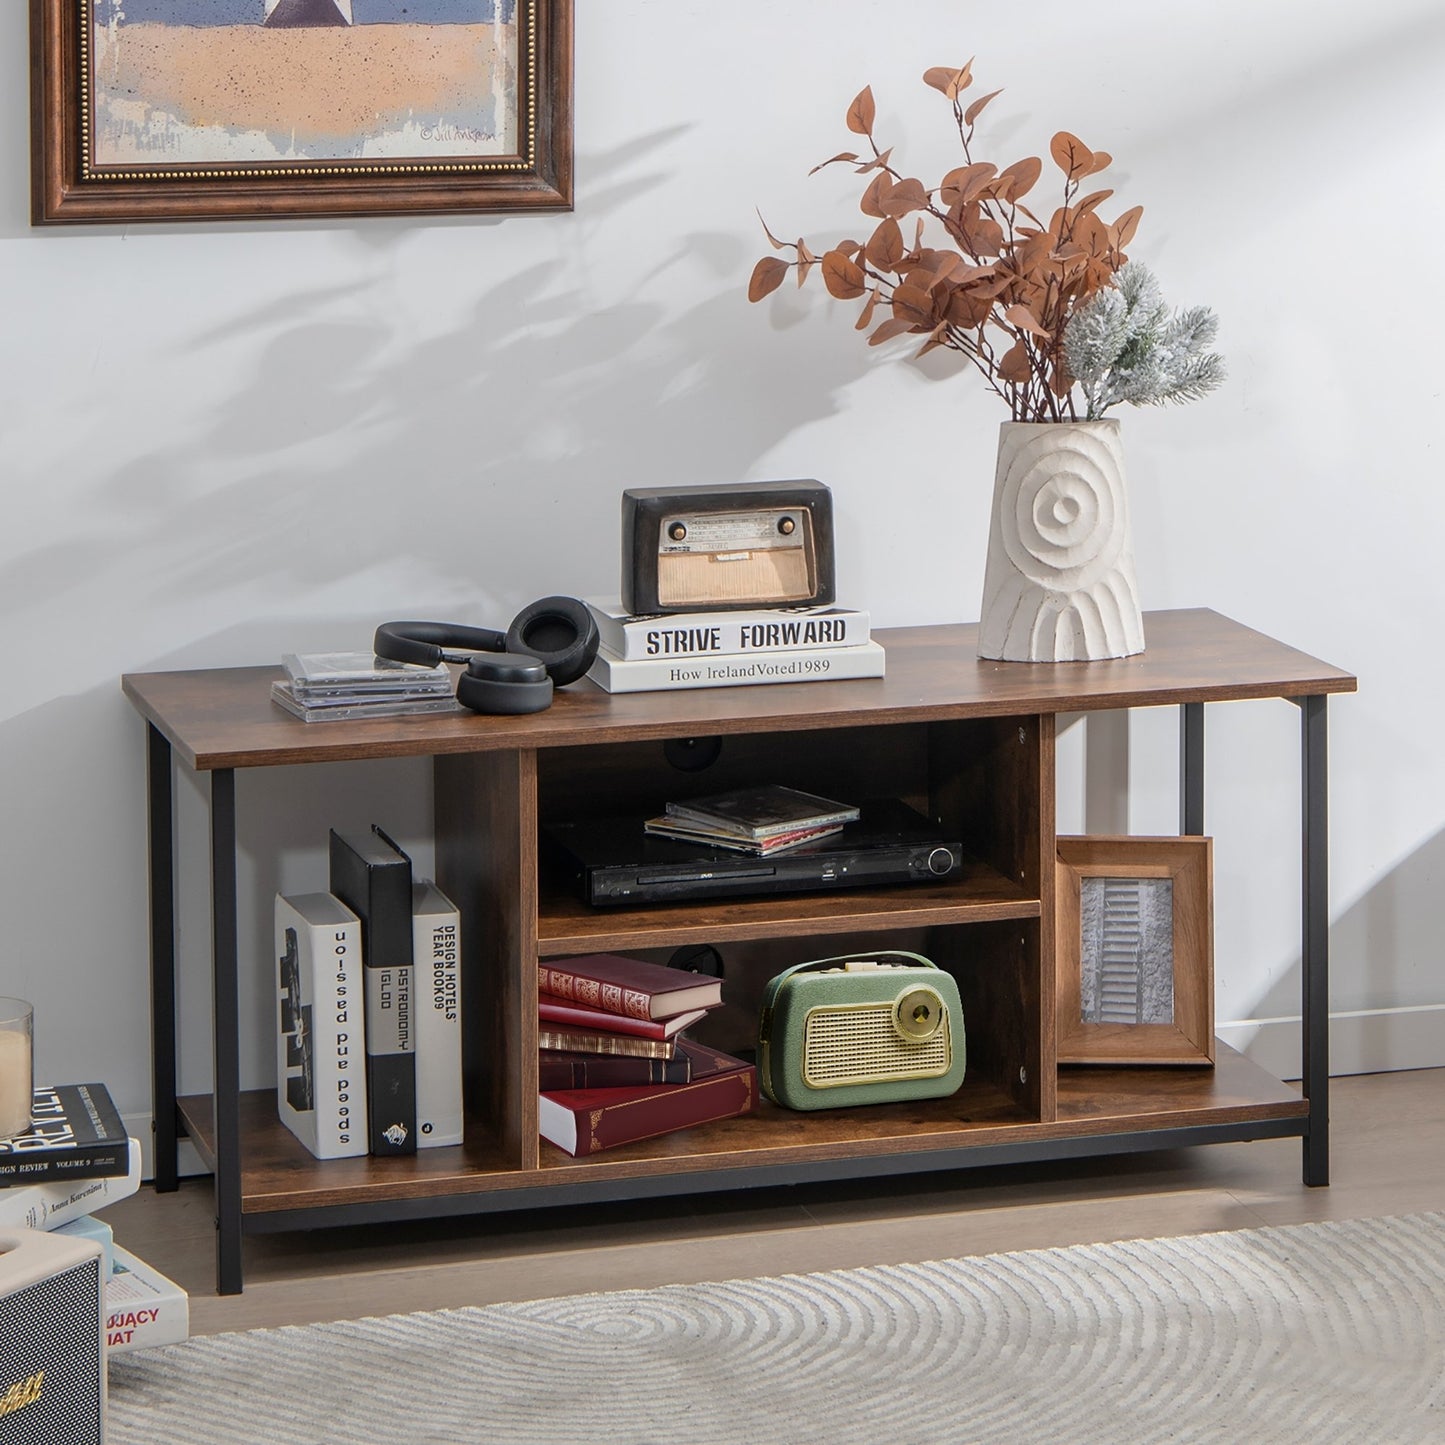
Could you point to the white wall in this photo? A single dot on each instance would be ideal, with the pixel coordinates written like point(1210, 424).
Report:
point(220, 442)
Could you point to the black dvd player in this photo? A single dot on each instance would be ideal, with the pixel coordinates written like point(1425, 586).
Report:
point(612, 861)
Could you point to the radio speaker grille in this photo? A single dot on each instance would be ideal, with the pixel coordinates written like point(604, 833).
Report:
point(859, 1045)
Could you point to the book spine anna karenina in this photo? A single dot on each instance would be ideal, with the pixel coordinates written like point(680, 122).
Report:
point(713, 634)
point(372, 876)
point(663, 674)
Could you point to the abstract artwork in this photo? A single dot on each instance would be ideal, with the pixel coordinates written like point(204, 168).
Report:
point(157, 109)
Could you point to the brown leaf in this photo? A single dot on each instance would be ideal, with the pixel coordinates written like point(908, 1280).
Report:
point(871, 203)
point(1013, 365)
point(865, 316)
point(861, 113)
point(913, 304)
point(1102, 161)
point(1126, 225)
point(888, 330)
point(885, 245)
point(804, 254)
point(1021, 177)
point(767, 276)
point(1071, 155)
point(907, 196)
point(948, 80)
point(963, 183)
point(777, 244)
point(972, 113)
point(1024, 320)
point(833, 160)
point(1093, 199)
point(878, 162)
point(843, 278)
point(968, 309)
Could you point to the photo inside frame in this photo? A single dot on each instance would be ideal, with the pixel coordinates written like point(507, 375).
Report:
point(220, 82)
point(1127, 963)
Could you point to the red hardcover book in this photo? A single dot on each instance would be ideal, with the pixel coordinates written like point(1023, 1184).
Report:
point(628, 986)
point(593, 1041)
point(556, 1070)
point(582, 1121)
point(573, 1015)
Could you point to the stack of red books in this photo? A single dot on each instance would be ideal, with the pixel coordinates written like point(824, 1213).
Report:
point(615, 1064)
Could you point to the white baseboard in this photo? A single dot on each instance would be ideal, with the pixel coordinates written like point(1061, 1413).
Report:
point(1372, 1041)
point(1369, 1041)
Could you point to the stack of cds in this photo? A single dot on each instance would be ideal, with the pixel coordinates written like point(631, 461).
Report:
point(332, 686)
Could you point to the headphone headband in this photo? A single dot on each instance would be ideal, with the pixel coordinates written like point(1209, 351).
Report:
point(424, 642)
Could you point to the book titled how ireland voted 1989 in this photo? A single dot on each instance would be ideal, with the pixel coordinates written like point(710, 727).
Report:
point(804, 664)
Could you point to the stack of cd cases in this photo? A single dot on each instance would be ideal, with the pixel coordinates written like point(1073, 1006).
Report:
point(336, 686)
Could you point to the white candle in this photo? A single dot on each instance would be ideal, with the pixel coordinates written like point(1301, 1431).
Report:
point(17, 1084)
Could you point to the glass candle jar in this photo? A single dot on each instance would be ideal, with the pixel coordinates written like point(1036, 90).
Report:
point(17, 1070)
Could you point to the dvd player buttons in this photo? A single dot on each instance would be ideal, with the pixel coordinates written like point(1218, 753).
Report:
point(940, 861)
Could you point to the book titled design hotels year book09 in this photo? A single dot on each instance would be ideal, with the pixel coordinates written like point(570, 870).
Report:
point(436, 942)
point(372, 877)
point(76, 1134)
point(583, 1121)
point(804, 664)
point(710, 634)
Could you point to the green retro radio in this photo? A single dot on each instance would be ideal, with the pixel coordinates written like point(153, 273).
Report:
point(864, 1028)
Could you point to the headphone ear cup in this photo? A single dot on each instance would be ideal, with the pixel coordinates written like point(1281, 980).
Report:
point(504, 686)
point(560, 632)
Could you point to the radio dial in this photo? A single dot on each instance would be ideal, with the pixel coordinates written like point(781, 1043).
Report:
point(940, 861)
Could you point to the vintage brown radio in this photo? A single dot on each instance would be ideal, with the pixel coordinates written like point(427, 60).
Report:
point(701, 549)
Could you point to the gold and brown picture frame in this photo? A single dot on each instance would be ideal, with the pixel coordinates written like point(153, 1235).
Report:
point(1135, 921)
point(153, 110)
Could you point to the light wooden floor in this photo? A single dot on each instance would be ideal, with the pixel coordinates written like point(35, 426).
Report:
point(1387, 1157)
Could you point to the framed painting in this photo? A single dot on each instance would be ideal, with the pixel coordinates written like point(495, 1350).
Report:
point(157, 110)
point(1135, 950)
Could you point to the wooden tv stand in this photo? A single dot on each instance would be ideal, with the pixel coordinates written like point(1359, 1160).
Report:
point(968, 741)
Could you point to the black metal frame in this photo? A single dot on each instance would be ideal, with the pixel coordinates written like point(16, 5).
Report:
point(232, 1225)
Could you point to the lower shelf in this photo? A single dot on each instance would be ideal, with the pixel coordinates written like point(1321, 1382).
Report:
point(279, 1178)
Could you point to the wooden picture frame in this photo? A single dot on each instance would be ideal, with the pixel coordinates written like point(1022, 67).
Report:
point(138, 115)
point(1135, 950)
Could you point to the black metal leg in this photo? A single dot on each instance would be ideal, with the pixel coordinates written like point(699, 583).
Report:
point(163, 958)
point(1315, 938)
point(1191, 769)
point(226, 1022)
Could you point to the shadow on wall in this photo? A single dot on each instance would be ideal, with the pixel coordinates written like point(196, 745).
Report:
point(1386, 949)
point(493, 452)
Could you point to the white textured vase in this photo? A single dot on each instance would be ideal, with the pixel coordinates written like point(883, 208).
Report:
point(1059, 584)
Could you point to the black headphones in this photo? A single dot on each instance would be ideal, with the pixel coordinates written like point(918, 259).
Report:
point(551, 642)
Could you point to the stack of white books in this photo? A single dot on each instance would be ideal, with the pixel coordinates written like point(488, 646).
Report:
point(731, 648)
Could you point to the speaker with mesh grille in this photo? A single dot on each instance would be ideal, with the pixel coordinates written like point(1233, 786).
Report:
point(860, 1029)
point(52, 1333)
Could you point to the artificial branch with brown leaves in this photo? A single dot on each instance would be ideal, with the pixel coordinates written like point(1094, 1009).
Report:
point(1004, 290)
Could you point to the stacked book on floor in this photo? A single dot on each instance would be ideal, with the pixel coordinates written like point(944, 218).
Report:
point(730, 648)
point(369, 1024)
point(76, 1158)
point(335, 686)
point(616, 1065)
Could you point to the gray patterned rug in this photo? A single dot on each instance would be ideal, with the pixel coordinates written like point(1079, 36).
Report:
point(1312, 1333)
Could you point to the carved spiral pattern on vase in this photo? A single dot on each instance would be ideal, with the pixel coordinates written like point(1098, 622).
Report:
point(1060, 579)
